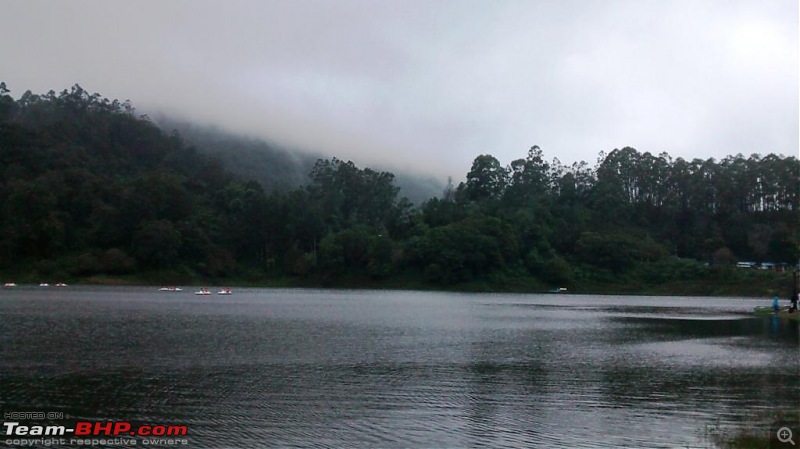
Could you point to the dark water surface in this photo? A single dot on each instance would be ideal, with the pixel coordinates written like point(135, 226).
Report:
point(317, 368)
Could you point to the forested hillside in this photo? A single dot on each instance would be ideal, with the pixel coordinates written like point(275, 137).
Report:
point(89, 189)
point(272, 166)
point(247, 158)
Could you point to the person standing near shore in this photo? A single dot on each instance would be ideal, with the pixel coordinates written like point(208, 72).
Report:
point(775, 304)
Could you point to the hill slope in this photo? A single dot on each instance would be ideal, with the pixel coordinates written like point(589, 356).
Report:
point(274, 167)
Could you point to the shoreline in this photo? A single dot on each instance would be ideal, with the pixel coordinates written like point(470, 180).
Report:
point(744, 288)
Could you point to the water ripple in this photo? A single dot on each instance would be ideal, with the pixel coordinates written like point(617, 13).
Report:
point(289, 368)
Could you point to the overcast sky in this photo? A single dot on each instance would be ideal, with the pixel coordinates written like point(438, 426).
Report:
point(432, 84)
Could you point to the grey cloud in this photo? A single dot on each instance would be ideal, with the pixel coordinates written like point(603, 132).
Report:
point(432, 84)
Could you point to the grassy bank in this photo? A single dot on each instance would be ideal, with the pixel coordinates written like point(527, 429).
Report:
point(758, 432)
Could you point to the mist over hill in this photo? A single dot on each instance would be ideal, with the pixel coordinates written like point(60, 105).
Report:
point(276, 167)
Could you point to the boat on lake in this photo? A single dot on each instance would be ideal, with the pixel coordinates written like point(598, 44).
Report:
point(225, 291)
point(203, 291)
point(170, 289)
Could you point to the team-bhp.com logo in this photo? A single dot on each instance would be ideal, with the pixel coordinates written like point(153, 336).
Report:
point(89, 433)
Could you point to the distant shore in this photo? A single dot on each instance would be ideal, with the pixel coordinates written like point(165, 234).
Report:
point(753, 285)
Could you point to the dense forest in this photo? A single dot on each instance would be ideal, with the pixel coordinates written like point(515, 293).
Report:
point(90, 190)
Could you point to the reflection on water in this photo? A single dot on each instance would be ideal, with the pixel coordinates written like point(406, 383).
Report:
point(299, 368)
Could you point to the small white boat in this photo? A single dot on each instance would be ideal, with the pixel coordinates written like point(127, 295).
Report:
point(9, 284)
point(203, 291)
point(225, 291)
point(170, 289)
point(61, 284)
point(44, 284)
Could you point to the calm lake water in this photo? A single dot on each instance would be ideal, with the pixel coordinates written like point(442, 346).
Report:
point(318, 368)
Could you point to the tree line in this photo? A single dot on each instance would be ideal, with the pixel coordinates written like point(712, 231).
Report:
point(91, 188)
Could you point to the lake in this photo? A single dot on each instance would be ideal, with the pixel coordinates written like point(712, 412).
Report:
point(397, 369)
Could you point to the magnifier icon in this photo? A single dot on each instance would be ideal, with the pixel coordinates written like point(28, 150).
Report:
point(785, 435)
